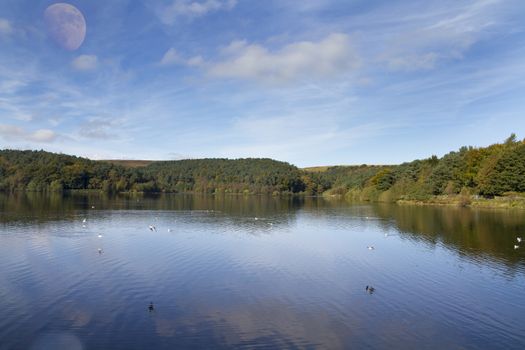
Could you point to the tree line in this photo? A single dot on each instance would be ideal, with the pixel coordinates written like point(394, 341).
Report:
point(486, 171)
point(43, 171)
point(495, 170)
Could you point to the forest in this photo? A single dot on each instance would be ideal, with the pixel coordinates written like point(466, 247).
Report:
point(496, 170)
point(43, 171)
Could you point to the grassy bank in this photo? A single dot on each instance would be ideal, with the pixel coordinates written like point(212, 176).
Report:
point(507, 201)
point(510, 202)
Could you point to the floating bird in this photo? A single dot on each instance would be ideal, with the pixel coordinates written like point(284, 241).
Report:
point(169, 230)
point(370, 289)
point(516, 246)
point(151, 307)
point(92, 207)
point(84, 221)
point(84, 226)
point(256, 218)
point(152, 228)
point(99, 235)
point(100, 251)
point(518, 239)
point(370, 247)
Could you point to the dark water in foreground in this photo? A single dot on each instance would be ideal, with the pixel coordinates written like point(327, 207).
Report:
point(257, 272)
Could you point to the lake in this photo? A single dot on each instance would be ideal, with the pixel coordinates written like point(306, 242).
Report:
point(257, 272)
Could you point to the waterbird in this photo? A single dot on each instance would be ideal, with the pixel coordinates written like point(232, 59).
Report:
point(386, 234)
point(518, 239)
point(370, 289)
point(92, 207)
point(516, 246)
point(151, 307)
point(370, 247)
point(84, 221)
point(99, 235)
point(100, 251)
point(152, 228)
point(256, 218)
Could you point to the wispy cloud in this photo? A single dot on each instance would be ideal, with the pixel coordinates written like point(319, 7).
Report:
point(16, 133)
point(13, 111)
point(304, 60)
point(85, 62)
point(5, 27)
point(299, 138)
point(99, 128)
point(10, 86)
point(421, 42)
point(192, 9)
point(410, 62)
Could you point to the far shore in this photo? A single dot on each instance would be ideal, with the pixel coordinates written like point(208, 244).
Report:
point(512, 201)
point(498, 202)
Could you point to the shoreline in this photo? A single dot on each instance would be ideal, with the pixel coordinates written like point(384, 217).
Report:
point(460, 201)
point(485, 203)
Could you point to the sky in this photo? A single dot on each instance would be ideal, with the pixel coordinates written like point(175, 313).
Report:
point(319, 82)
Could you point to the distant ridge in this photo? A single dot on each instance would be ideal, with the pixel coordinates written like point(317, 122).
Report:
point(325, 168)
point(129, 163)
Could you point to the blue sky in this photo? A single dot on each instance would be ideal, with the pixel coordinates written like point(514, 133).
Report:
point(315, 82)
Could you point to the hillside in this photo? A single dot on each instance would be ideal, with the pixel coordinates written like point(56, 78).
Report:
point(490, 171)
point(43, 171)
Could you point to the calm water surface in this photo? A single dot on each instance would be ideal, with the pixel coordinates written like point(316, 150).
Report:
point(257, 272)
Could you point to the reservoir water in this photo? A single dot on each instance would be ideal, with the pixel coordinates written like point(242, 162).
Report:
point(80, 271)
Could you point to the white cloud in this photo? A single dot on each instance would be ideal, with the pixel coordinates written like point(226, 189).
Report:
point(15, 133)
point(5, 27)
point(332, 56)
point(195, 61)
point(23, 117)
point(43, 135)
point(192, 9)
point(171, 57)
point(85, 62)
point(54, 121)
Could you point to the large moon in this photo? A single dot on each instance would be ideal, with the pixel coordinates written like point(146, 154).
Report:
point(66, 25)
